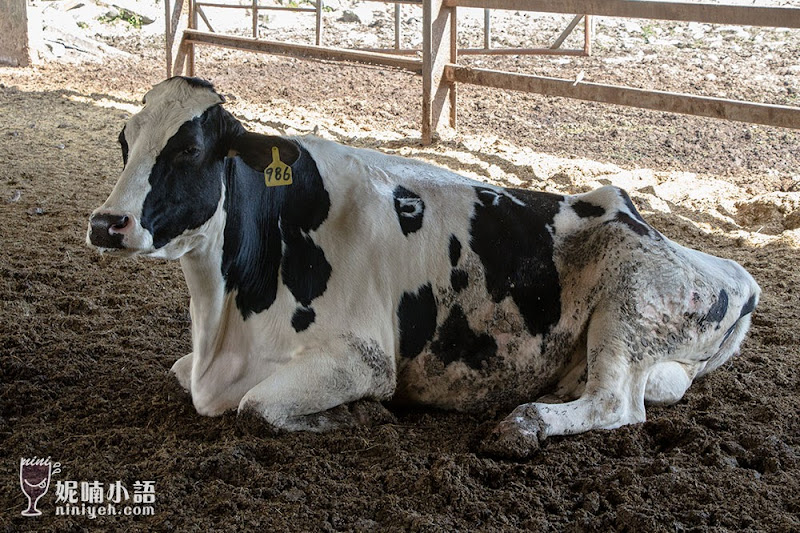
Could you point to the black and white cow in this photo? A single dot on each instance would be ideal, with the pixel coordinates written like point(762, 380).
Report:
point(373, 276)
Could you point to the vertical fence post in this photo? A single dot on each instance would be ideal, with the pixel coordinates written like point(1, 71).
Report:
point(318, 36)
point(190, 47)
point(453, 60)
point(437, 50)
point(168, 37)
point(255, 19)
point(587, 34)
point(487, 28)
point(397, 28)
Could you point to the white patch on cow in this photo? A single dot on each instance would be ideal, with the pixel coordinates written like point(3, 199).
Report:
point(414, 203)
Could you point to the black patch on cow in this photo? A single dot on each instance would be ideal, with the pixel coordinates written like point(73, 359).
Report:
point(717, 311)
point(123, 144)
point(302, 318)
point(259, 219)
point(516, 249)
point(459, 279)
point(455, 250)
point(638, 227)
point(455, 341)
point(587, 210)
point(632, 208)
point(410, 209)
point(749, 306)
point(304, 269)
point(417, 320)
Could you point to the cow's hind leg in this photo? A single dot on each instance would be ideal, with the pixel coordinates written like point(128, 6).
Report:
point(309, 392)
point(613, 395)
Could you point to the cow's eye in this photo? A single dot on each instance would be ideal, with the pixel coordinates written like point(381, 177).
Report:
point(191, 151)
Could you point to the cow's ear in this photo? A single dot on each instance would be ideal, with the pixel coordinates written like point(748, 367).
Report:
point(256, 150)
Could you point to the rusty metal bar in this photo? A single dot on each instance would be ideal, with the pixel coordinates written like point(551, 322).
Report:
point(204, 17)
point(259, 7)
point(767, 114)
point(487, 29)
point(397, 28)
point(301, 50)
point(255, 19)
point(190, 55)
point(168, 38)
point(318, 30)
point(564, 34)
point(775, 17)
point(490, 52)
point(437, 50)
point(588, 23)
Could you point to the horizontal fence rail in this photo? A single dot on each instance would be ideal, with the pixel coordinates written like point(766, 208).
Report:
point(704, 106)
point(739, 15)
point(302, 50)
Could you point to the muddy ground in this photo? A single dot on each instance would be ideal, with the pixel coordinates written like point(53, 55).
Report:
point(86, 341)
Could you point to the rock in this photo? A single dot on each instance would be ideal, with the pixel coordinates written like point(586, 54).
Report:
point(771, 213)
point(358, 14)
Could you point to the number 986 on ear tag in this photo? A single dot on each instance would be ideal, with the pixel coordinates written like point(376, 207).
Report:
point(277, 173)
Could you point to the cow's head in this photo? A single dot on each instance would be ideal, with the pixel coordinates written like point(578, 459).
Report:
point(174, 154)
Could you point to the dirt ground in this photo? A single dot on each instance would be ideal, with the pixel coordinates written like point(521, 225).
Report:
point(86, 341)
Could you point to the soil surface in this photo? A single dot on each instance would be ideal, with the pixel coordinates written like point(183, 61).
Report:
point(86, 341)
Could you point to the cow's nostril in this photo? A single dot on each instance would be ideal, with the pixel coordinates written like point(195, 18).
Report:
point(121, 224)
point(107, 229)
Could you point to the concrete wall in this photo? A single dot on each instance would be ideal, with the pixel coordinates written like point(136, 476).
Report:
point(14, 44)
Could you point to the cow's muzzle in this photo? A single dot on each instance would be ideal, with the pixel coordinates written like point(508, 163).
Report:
point(106, 230)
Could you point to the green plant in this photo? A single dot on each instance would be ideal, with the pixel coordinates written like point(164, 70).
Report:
point(648, 32)
point(124, 15)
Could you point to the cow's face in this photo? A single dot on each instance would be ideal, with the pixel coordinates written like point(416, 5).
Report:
point(173, 152)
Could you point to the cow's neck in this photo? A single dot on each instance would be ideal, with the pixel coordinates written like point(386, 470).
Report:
point(201, 269)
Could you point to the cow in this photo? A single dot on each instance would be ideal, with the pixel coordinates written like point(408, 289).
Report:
point(320, 275)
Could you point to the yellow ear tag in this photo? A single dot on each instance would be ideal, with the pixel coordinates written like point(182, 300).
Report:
point(277, 173)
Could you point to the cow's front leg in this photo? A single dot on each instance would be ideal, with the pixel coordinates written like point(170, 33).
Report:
point(182, 368)
point(306, 393)
point(613, 397)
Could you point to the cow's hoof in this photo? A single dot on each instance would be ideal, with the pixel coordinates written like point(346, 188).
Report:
point(516, 437)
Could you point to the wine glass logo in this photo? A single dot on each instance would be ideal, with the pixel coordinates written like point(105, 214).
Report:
point(34, 478)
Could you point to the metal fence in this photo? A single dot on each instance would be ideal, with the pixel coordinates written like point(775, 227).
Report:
point(441, 72)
